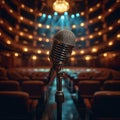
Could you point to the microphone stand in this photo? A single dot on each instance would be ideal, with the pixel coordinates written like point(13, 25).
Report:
point(59, 96)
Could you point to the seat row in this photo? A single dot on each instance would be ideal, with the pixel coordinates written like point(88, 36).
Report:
point(21, 101)
point(99, 102)
point(72, 83)
point(105, 106)
point(87, 88)
point(22, 74)
point(73, 77)
point(36, 89)
point(17, 105)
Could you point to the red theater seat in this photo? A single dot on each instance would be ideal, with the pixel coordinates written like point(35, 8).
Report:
point(106, 105)
point(34, 88)
point(9, 85)
point(112, 85)
point(88, 87)
point(16, 106)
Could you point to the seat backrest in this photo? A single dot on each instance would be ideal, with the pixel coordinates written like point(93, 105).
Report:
point(13, 104)
point(3, 74)
point(115, 75)
point(112, 85)
point(9, 85)
point(34, 88)
point(106, 104)
point(84, 76)
point(102, 75)
point(88, 87)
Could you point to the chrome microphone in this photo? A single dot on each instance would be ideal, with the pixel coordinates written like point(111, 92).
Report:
point(63, 43)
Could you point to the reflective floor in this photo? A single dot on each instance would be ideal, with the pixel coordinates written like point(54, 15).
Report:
point(69, 111)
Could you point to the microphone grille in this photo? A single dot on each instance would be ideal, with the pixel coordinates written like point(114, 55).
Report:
point(66, 37)
point(59, 53)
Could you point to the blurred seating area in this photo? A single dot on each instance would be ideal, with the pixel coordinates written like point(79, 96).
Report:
point(94, 91)
point(17, 105)
point(26, 90)
point(75, 76)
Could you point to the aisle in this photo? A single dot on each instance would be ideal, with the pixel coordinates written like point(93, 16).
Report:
point(69, 111)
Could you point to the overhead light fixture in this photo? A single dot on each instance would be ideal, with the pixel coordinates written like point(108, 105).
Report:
point(61, 6)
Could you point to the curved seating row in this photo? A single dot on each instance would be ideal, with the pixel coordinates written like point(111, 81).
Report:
point(72, 78)
point(25, 99)
point(105, 106)
point(36, 89)
point(22, 74)
point(102, 101)
point(17, 105)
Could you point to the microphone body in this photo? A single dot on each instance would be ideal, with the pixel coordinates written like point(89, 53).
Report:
point(63, 43)
point(59, 54)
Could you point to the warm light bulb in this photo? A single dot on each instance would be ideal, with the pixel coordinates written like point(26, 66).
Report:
point(34, 57)
point(73, 26)
point(87, 58)
point(25, 49)
point(47, 52)
point(16, 54)
point(94, 50)
point(82, 52)
point(82, 38)
point(105, 54)
point(82, 24)
point(73, 52)
point(39, 25)
point(39, 51)
point(118, 35)
point(72, 59)
point(8, 42)
point(110, 43)
point(47, 26)
point(30, 36)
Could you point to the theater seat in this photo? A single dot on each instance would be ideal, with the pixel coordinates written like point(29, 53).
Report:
point(112, 85)
point(34, 88)
point(86, 90)
point(106, 105)
point(16, 106)
point(9, 85)
point(88, 87)
point(3, 74)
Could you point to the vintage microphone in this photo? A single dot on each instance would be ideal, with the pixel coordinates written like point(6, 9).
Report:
point(63, 43)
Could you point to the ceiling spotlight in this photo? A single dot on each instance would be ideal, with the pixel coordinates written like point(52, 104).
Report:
point(60, 6)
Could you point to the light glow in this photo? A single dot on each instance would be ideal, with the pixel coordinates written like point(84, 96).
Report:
point(82, 52)
point(25, 49)
point(118, 35)
point(8, 42)
point(105, 54)
point(39, 51)
point(87, 58)
point(73, 52)
point(60, 6)
point(16, 54)
point(110, 43)
point(34, 57)
point(94, 50)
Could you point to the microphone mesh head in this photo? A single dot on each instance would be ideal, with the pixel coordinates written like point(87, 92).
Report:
point(66, 37)
point(63, 43)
